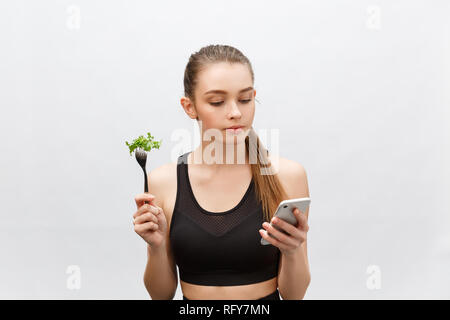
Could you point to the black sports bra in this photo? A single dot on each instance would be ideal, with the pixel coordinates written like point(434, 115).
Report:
point(219, 248)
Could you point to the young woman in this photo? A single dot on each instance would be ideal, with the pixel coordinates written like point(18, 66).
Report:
point(208, 217)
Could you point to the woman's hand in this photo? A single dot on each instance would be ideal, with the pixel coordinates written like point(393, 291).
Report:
point(288, 244)
point(150, 221)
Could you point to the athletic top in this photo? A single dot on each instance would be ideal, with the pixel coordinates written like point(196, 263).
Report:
point(219, 248)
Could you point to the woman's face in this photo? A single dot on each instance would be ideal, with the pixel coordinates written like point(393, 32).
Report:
point(224, 97)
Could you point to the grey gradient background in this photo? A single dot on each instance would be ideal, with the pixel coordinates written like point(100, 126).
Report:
point(361, 99)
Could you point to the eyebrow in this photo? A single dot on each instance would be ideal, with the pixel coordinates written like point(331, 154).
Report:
point(221, 91)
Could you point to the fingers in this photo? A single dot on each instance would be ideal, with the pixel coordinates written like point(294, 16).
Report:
point(146, 217)
point(264, 234)
point(160, 214)
point(278, 234)
point(289, 228)
point(146, 208)
point(141, 198)
point(145, 226)
point(302, 221)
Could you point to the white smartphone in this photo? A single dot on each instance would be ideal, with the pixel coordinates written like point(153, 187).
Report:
point(284, 211)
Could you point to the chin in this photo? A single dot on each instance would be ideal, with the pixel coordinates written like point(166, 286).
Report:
point(233, 140)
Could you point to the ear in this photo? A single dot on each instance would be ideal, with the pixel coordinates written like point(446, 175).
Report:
point(189, 107)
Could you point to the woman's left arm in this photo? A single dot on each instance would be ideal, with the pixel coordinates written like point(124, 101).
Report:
point(293, 274)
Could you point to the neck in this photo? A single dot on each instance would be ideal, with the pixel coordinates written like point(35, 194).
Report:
point(236, 157)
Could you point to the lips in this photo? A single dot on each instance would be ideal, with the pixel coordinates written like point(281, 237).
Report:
point(235, 130)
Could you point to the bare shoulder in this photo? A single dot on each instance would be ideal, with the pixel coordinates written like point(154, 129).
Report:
point(161, 182)
point(293, 177)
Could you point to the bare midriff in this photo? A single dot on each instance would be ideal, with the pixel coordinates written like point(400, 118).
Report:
point(252, 291)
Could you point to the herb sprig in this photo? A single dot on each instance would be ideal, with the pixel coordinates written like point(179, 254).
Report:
point(146, 144)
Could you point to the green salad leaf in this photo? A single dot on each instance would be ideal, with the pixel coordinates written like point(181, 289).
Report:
point(143, 143)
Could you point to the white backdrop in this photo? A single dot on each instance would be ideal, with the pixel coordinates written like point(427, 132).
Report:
point(358, 89)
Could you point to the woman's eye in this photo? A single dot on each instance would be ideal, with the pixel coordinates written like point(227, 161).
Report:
point(220, 102)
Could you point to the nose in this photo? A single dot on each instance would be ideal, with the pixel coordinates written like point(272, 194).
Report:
point(234, 111)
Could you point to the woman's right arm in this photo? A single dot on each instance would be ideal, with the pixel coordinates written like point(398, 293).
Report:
point(160, 276)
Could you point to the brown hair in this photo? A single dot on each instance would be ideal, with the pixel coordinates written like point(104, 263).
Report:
point(269, 190)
